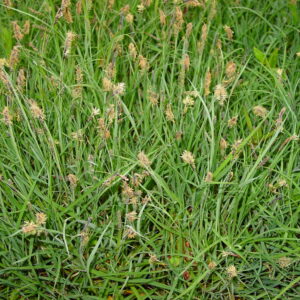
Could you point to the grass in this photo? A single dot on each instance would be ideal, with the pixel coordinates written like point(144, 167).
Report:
point(221, 223)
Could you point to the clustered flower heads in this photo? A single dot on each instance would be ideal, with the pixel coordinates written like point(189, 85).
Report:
point(143, 159)
point(260, 111)
point(36, 111)
point(117, 89)
point(232, 271)
point(220, 93)
point(33, 228)
point(188, 158)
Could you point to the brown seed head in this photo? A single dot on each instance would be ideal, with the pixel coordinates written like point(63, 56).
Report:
point(232, 272)
point(232, 122)
point(7, 117)
point(30, 228)
point(14, 56)
point(223, 144)
point(188, 158)
point(143, 159)
point(207, 82)
point(18, 35)
point(70, 37)
point(131, 216)
point(41, 219)
point(260, 111)
point(36, 111)
point(169, 113)
point(230, 69)
point(132, 50)
point(21, 79)
point(73, 180)
point(143, 63)
point(229, 32)
point(162, 17)
point(220, 93)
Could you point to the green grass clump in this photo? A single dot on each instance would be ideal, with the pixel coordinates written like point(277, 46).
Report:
point(149, 149)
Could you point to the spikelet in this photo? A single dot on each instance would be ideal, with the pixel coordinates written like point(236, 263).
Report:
point(18, 35)
point(279, 75)
point(188, 101)
point(146, 3)
point(153, 97)
point(201, 44)
point(73, 180)
point(132, 50)
point(189, 29)
point(229, 32)
point(260, 111)
point(36, 111)
point(232, 122)
point(169, 113)
point(279, 121)
point(131, 216)
point(178, 135)
point(143, 63)
point(212, 265)
point(41, 219)
point(140, 8)
point(110, 70)
point(186, 62)
point(79, 7)
point(178, 20)
point(79, 76)
point(193, 3)
point(289, 139)
point(7, 117)
point(77, 91)
point(95, 112)
point(68, 16)
point(14, 57)
point(104, 131)
point(21, 79)
point(235, 147)
point(111, 113)
point(213, 10)
point(78, 135)
point(143, 159)
point(220, 93)
point(129, 18)
point(207, 83)
point(30, 228)
point(125, 9)
point(188, 158)
point(7, 3)
point(3, 62)
point(232, 272)
point(162, 17)
point(110, 4)
point(223, 144)
point(64, 11)
point(68, 43)
point(107, 84)
point(119, 89)
point(219, 44)
point(209, 177)
point(26, 27)
point(230, 69)
point(284, 262)
point(130, 233)
point(5, 79)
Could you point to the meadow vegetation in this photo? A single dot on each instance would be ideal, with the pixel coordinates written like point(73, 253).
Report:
point(149, 149)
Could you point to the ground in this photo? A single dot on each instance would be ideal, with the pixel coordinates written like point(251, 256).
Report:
point(149, 149)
